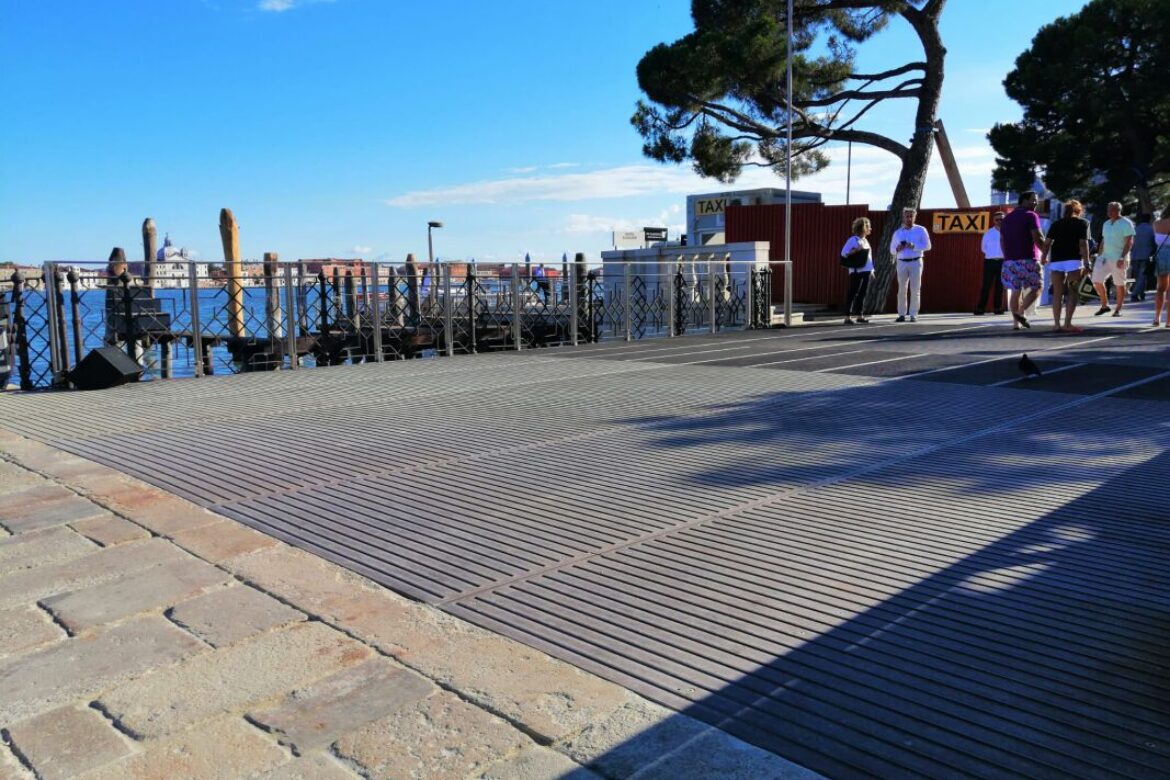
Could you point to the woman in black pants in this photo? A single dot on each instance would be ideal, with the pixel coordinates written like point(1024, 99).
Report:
point(858, 277)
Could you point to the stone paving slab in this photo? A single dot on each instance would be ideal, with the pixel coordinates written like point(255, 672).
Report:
point(538, 763)
point(716, 754)
point(70, 671)
point(220, 540)
point(315, 717)
point(34, 512)
point(153, 588)
point(227, 749)
point(637, 734)
point(95, 568)
point(37, 548)
point(439, 737)
point(26, 628)
point(68, 741)
point(110, 530)
point(182, 696)
point(10, 768)
point(316, 767)
point(224, 617)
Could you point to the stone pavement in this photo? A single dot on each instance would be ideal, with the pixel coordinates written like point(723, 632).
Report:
point(142, 636)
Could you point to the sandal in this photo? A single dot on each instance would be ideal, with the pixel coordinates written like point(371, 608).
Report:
point(1020, 318)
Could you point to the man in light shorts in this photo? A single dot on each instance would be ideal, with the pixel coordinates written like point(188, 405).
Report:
point(1116, 242)
point(1021, 239)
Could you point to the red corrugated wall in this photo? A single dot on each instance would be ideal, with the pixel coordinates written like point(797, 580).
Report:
point(950, 279)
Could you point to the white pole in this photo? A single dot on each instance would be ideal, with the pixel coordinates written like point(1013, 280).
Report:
point(848, 172)
point(788, 150)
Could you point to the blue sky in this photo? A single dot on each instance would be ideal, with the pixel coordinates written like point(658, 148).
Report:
point(339, 127)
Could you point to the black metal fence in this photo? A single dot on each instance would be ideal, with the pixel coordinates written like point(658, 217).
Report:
point(194, 320)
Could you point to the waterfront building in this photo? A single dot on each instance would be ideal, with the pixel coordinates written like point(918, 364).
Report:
point(706, 212)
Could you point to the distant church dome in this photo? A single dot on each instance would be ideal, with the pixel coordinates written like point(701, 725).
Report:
point(168, 251)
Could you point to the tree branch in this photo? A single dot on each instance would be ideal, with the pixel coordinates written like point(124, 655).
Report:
point(899, 91)
point(887, 74)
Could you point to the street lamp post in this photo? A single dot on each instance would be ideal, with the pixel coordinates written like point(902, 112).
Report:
point(430, 244)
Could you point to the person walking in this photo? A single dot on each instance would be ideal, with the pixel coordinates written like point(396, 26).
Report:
point(859, 277)
point(1066, 254)
point(1116, 242)
point(992, 267)
point(540, 277)
point(1142, 256)
point(1162, 267)
point(1021, 239)
point(909, 243)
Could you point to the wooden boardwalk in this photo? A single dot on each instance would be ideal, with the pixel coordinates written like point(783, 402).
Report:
point(874, 551)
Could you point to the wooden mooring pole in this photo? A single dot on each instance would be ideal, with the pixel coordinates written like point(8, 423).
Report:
point(115, 266)
point(229, 233)
point(150, 252)
point(273, 317)
point(413, 304)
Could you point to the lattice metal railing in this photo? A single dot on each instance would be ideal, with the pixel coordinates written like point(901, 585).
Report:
point(196, 320)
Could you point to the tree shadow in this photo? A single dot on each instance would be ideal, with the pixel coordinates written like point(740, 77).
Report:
point(940, 603)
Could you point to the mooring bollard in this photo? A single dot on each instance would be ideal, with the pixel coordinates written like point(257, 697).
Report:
point(20, 327)
point(323, 346)
point(75, 313)
point(128, 315)
point(351, 309)
point(61, 351)
point(472, 313)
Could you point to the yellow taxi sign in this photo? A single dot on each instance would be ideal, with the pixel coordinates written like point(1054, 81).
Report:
point(961, 222)
point(709, 206)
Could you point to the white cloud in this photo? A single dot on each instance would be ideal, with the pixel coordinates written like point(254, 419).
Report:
point(280, 6)
point(362, 250)
point(565, 165)
point(582, 224)
point(872, 176)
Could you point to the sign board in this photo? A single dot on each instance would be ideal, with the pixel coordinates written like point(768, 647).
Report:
point(628, 239)
point(654, 234)
point(708, 206)
point(961, 222)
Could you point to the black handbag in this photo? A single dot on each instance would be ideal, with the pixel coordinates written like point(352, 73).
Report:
point(855, 259)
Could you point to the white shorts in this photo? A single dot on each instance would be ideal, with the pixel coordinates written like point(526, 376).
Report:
point(1065, 266)
point(1103, 269)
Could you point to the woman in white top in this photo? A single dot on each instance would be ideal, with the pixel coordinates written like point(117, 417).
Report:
point(1162, 267)
point(858, 277)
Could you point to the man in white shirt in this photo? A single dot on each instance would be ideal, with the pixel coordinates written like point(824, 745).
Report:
point(908, 245)
point(992, 267)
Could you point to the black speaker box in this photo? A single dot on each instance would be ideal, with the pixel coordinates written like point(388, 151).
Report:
point(104, 367)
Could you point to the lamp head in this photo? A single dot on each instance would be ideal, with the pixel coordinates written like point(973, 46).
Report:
point(434, 224)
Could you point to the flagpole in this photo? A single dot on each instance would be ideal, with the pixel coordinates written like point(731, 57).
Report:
point(788, 167)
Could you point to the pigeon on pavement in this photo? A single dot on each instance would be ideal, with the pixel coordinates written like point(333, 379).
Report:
point(1029, 368)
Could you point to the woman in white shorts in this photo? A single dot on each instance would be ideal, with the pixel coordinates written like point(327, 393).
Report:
point(1162, 267)
point(1066, 253)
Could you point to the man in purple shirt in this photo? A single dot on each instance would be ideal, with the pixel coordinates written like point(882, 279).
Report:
point(1021, 240)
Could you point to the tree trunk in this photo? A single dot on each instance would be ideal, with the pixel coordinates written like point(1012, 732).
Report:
point(916, 161)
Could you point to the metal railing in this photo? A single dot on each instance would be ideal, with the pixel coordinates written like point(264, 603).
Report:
point(194, 321)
